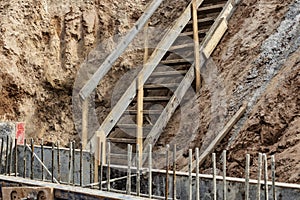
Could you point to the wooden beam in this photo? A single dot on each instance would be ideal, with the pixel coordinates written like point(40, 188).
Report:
point(85, 114)
point(215, 37)
point(139, 137)
point(221, 135)
point(121, 47)
point(196, 46)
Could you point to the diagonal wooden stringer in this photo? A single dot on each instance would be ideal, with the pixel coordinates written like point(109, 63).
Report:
point(203, 20)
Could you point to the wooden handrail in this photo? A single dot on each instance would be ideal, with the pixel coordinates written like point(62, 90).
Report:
point(121, 47)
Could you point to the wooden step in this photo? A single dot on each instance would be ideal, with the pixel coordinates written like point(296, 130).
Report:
point(181, 46)
point(122, 140)
point(203, 20)
point(131, 126)
point(157, 98)
point(169, 73)
point(147, 112)
point(161, 86)
point(191, 33)
point(176, 62)
point(209, 7)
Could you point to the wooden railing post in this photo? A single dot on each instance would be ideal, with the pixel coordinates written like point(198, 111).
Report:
point(139, 136)
point(85, 113)
point(196, 45)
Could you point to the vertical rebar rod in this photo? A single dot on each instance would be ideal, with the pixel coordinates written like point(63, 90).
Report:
point(167, 172)
point(197, 175)
point(108, 166)
point(1, 154)
point(32, 159)
point(10, 156)
point(247, 174)
point(224, 176)
point(42, 158)
point(91, 167)
point(6, 156)
point(138, 175)
point(266, 176)
point(70, 163)
point(150, 171)
point(273, 177)
point(259, 176)
point(128, 181)
point(24, 159)
point(81, 168)
point(190, 192)
point(101, 165)
point(174, 171)
point(214, 176)
point(73, 163)
point(16, 157)
point(52, 163)
point(58, 162)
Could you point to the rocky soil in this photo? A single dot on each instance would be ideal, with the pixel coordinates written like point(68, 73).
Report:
point(44, 43)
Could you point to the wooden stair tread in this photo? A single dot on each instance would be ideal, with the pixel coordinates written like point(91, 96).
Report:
point(123, 140)
point(160, 86)
point(212, 6)
point(190, 33)
point(149, 112)
point(169, 73)
point(131, 126)
point(176, 61)
point(181, 46)
point(206, 19)
point(156, 98)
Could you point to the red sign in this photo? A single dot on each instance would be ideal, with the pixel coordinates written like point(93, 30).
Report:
point(20, 132)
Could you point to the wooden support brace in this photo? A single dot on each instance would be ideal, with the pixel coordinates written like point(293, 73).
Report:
point(196, 45)
point(85, 113)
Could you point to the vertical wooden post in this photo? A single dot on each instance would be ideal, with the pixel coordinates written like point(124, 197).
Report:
point(73, 163)
point(128, 182)
point(266, 176)
point(138, 175)
point(146, 43)
point(108, 166)
point(100, 153)
point(167, 172)
point(174, 172)
point(214, 176)
point(52, 163)
point(273, 177)
point(150, 171)
point(140, 118)
point(6, 156)
point(224, 176)
point(247, 173)
point(10, 156)
point(70, 163)
point(190, 191)
point(196, 45)
point(101, 165)
point(85, 115)
point(259, 176)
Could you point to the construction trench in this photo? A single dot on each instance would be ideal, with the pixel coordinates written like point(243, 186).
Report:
point(121, 152)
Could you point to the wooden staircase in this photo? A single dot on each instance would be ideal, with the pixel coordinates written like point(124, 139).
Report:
point(148, 104)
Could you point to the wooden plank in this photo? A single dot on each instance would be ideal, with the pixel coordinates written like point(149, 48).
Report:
point(207, 19)
point(85, 113)
point(161, 86)
point(120, 48)
point(122, 140)
point(169, 73)
point(216, 37)
point(149, 112)
point(140, 102)
point(221, 135)
point(181, 46)
point(211, 7)
point(196, 47)
point(176, 61)
point(155, 98)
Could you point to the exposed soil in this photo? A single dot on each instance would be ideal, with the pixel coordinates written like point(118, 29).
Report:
point(43, 44)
